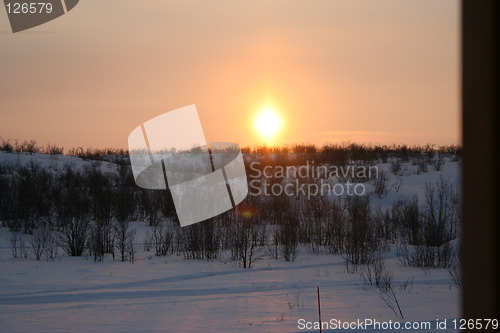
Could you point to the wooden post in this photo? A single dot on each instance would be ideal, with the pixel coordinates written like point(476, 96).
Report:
point(319, 314)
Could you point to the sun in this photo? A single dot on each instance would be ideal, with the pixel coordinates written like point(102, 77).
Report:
point(268, 123)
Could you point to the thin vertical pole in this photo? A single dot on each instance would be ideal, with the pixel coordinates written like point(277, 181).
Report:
point(319, 314)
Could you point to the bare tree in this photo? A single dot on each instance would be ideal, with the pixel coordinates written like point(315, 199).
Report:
point(380, 187)
point(162, 238)
point(124, 240)
point(73, 238)
point(15, 239)
point(396, 166)
point(246, 241)
point(361, 243)
point(39, 241)
point(289, 238)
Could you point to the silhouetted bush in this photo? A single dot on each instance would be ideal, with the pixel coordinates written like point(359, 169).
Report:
point(361, 242)
point(87, 208)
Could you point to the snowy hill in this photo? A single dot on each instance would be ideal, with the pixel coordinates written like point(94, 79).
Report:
point(168, 293)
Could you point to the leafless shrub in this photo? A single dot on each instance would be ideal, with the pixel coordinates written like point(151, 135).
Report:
point(14, 244)
point(124, 240)
point(101, 240)
point(148, 206)
point(39, 241)
point(148, 242)
point(397, 184)
point(73, 237)
point(426, 256)
point(6, 145)
point(51, 246)
point(314, 223)
point(380, 186)
point(53, 149)
point(439, 161)
point(375, 274)
point(455, 271)
point(361, 243)
point(422, 165)
point(273, 248)
point(335, 227)
point(200, 240)
point(434, 230)
point(246, 241)
point(23, 250)
point(18, 246)
point(386, 230)
point(288, 238)
point(389, 296)
point(162, 239)
point(130, 249)
point(407, 284)
point(406, 218)
point(295, 300)
point(29, 147)
point(396, 166)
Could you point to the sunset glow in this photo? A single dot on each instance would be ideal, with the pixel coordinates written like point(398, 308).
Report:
point(329, 72)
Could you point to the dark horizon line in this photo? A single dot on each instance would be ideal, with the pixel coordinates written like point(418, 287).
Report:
point(31, 147)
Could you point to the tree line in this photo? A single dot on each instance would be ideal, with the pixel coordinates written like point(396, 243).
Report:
point(87, 211)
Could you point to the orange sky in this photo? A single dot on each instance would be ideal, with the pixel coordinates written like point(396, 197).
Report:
point(360, 71)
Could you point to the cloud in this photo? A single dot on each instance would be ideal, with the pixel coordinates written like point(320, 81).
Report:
point(357, 136)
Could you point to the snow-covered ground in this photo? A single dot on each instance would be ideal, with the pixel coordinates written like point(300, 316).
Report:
point(54, 163)
point(171, 294)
